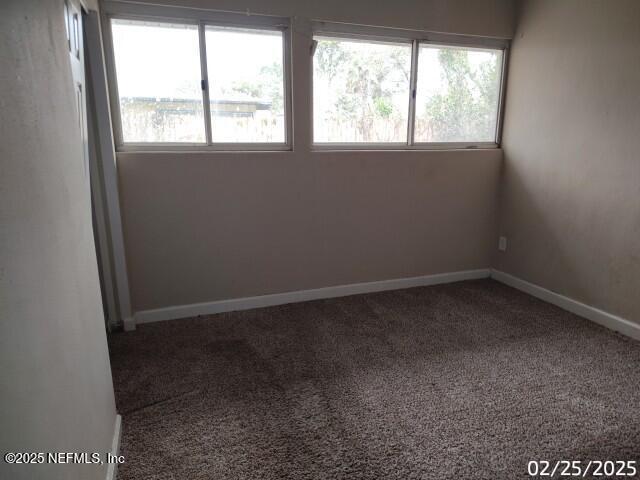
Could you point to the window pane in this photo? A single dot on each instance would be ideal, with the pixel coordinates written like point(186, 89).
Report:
point(360, 91)
point(158, 74)
point(246, 85)
point(457, 96)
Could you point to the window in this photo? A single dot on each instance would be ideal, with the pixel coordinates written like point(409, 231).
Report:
point(246, 85)
point(197, 82)
point(409, 93)
point(457, 94)
point(158, 71)
point(361, 91)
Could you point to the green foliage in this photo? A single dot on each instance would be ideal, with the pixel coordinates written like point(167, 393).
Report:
point(384, 108)
point(368, 81)
point(329, 57)
point(250, 89)
point(271, 83)
point(365, 82)
point(466, 108)
point(268, 85)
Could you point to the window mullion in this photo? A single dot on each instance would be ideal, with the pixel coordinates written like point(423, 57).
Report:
point(205, 83)
point(412, 93)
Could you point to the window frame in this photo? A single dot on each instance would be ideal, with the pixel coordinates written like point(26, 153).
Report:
point(416, 38)
point(200, 18)
point(364, 38)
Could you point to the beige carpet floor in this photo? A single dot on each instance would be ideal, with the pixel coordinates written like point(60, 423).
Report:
point(470, 380)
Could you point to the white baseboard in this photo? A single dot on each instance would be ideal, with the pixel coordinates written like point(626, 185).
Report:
point(208, 308)
point(129, 324)
point(112, 468)
point(596, 315)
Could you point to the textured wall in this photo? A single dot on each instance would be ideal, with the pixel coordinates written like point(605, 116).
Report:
point(571, 186)
point(204, 227)
point(494, 18)
point(56, 392)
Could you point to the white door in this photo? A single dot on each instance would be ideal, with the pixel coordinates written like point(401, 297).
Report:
point(73, 21)
point(75, 41)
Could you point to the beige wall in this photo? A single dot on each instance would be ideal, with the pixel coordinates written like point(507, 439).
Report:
point(56, 392)
point(571, 185)
point(493, 18)
point(209, 226)
point(204, 227)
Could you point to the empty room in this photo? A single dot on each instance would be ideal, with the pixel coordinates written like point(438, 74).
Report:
point(290, 239)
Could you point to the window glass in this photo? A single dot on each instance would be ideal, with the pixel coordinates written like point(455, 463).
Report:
point(360, 91)
point(158, 74)
point(458, 93)
point(361, 87)
point(246, 85)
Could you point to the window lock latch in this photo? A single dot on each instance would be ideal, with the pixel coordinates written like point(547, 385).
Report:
point(204, 84)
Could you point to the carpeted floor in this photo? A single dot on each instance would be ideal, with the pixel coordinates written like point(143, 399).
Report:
point(466, 380)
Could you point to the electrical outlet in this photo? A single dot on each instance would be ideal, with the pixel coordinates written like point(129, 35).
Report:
point(502, 244)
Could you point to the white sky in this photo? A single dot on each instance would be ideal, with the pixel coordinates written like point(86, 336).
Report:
point(163, 60)
point(238, 56)
point(159, 60)
point(430, 72)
